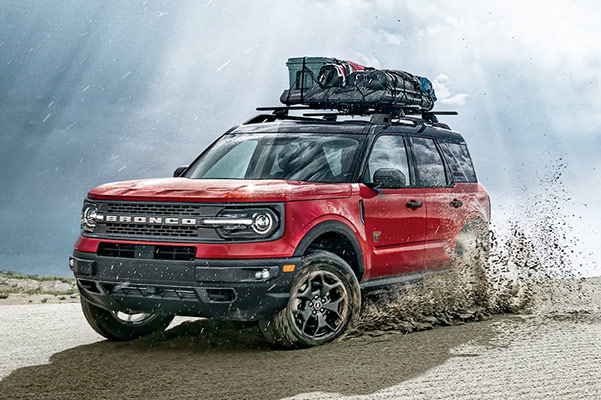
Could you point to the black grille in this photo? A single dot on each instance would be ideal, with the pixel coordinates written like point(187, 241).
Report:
point(134, 290)
point(123, 250)
point(148, 221)
point(190, 210)
point(176, 231)
point(157, 230)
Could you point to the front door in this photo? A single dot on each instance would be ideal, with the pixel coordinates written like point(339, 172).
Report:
point(395, 219)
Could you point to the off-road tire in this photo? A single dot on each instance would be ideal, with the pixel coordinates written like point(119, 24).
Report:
point(283, 330)
point(471, 257)
point(108, 325)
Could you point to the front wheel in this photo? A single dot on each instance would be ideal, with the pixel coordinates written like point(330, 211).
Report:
point(324, 301)
point(119, 326)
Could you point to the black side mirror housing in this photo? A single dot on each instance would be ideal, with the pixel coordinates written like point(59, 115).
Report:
point(389, 178)
point(179, 171)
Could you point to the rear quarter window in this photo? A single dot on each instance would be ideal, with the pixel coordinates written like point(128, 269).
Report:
point(459, 162)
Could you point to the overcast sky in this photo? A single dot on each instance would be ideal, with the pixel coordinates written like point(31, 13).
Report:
point(99, 91)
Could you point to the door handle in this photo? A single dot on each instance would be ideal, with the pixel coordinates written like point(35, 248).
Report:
point(412, 204)
point(456, 203)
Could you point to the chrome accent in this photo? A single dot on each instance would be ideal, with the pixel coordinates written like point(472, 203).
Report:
point(262, 223)
point(225, 221)
point(89, 217)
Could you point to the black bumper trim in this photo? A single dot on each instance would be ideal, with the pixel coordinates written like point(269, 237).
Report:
point(81, 266)
point(224, 289)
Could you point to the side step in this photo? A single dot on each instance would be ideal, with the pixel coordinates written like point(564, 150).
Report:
point(383, 285)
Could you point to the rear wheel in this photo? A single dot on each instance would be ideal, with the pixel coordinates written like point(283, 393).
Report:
point(121, 326)
point(324, 301)
point(471, 256)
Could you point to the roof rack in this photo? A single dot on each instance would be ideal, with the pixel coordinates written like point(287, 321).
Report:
point(377, 116)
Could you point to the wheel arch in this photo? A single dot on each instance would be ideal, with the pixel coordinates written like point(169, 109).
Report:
point(472, 220)
point(338, 238)
point(475, 217)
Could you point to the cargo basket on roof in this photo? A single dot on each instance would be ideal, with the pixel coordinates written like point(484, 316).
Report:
point(329, 83)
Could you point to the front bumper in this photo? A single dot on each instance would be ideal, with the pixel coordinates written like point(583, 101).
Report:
point(243, 290)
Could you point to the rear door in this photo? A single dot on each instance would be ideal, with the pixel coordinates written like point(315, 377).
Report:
point(395, 219)
point(443, 203)
point(466, 198)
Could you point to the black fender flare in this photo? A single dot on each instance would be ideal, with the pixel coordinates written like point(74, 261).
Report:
point(332, 227)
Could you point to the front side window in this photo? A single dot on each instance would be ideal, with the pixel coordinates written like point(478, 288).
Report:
point(459, 162)
point(429, 165)
point(389, 152)
point(310, 158)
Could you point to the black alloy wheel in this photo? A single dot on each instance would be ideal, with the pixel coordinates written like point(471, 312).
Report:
point(324, 302)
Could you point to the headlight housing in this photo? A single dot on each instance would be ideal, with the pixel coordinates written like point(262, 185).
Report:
point(252, 223)
point(88, 216)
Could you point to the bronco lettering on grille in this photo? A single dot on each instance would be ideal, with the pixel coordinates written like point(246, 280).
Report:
point(147, 220)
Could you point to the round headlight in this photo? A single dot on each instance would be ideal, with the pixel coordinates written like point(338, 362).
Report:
point(262, 223)
point(88, 218)
point(244, 223)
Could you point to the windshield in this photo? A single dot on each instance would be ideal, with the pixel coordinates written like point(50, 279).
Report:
point(311, 158)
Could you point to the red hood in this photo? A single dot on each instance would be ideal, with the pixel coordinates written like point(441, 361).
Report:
point(219, 190)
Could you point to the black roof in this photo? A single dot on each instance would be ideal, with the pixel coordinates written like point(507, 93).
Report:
point(269, 123)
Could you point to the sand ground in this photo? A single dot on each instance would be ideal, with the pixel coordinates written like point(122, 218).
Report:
point(48, 351)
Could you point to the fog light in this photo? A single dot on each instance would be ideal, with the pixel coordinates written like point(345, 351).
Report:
point(263, 274)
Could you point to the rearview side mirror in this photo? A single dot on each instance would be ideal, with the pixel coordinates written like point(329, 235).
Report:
point(389, 178)
point(179, 171)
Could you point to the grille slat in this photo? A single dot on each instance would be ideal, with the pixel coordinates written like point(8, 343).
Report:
point(153, 291)
point(151, 230)
point(163, 209)
point(149, 252)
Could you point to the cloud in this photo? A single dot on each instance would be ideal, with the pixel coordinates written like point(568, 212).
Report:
point(458, 99)
point(442, 86)
point(391, 38)
point(524, 76)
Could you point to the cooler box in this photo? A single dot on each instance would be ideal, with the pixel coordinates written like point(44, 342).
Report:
point(308, 80)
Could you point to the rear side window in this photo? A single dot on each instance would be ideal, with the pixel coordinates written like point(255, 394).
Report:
point(459, 161)
point(428, 162)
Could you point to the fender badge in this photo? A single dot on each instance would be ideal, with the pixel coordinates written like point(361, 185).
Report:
point(377, 235)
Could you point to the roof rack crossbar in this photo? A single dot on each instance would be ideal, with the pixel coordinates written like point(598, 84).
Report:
point(360, 110)
point(385, 117)
point(443, 112)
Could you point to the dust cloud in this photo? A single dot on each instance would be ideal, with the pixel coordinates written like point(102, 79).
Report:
point(525, 265)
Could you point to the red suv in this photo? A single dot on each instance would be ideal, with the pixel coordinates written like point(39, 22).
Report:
point(286, 220)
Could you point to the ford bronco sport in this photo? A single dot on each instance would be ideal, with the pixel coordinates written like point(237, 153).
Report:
point(286, 220)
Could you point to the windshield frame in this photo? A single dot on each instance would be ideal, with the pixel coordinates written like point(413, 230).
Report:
point(357, 162)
